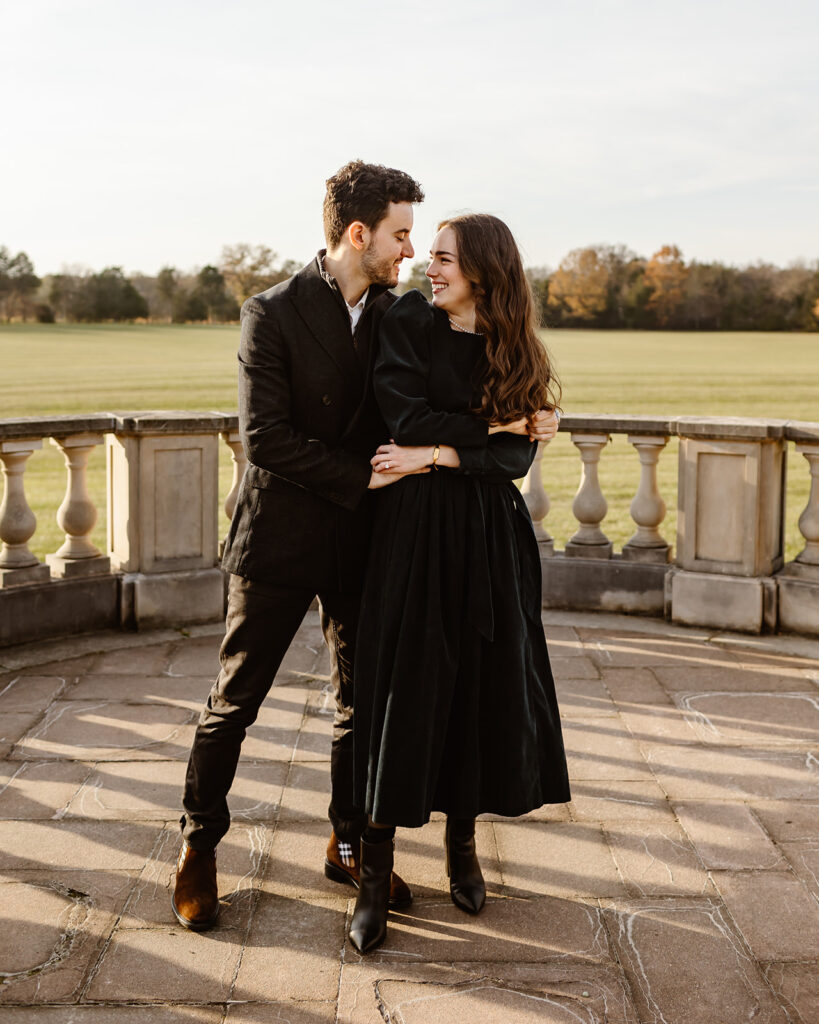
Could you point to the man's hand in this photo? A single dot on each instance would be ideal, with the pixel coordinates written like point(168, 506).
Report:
point(384, 479)
point(543, 425)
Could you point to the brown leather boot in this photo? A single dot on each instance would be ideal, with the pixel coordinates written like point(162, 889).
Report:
point(342, 865)
point(195, 896)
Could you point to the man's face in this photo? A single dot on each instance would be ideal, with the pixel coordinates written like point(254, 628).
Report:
point(388, 245)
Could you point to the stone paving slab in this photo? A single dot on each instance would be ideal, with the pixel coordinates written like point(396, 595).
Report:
point(680, 885)
point(686, 963)
point(490, 993)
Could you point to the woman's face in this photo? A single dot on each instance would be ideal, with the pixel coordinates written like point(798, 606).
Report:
point(451, 291)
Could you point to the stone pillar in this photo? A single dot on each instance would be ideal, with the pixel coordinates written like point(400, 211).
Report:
point(233, 440)
point(589, 506)
point(77, 515)
point(537, 501)
point(647, 508)
point(798, 583)
point(730, 525)
point(163, 479)
point(17, 521)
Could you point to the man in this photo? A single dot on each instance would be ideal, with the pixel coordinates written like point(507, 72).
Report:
point(309, 426)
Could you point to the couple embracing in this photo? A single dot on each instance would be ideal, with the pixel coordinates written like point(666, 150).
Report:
point(383, 437)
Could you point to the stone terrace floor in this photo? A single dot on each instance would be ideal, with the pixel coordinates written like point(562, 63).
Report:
point(680, 886)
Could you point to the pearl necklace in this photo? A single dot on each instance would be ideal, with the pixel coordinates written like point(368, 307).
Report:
point(457, 327)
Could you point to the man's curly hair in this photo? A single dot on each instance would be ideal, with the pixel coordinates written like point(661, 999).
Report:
point(363, 192)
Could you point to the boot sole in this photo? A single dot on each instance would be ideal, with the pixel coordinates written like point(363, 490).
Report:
point(337, 874)
point(194, 926)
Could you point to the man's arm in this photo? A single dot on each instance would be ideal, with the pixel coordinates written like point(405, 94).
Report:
point(270, 440)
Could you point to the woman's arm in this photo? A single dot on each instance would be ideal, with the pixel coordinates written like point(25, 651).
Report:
point(400, 381)
point(505, 457)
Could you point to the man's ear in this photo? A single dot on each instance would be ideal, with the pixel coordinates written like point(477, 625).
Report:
point(359, 235)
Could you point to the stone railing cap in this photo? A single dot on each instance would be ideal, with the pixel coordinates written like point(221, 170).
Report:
point(616, 423)
point(736, 428)
point(171, 421)
point(55, 426)
point(798, 431)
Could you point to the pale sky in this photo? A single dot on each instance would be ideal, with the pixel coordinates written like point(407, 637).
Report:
point(152, 133)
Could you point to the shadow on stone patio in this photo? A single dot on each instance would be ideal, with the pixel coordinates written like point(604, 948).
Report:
point(680, 885)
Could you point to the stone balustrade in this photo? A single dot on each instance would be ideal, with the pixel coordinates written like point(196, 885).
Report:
point(161, 562)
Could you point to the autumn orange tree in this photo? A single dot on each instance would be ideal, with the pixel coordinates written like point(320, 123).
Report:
point(580, 285)
point(665, 276)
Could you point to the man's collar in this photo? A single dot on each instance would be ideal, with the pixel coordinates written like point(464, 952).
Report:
point(371, 293)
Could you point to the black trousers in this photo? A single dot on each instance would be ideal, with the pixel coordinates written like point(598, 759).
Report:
point(261, 623)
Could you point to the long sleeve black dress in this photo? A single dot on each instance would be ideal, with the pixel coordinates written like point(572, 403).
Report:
point(455, 706)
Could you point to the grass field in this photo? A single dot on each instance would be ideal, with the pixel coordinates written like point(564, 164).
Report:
point(72, 368)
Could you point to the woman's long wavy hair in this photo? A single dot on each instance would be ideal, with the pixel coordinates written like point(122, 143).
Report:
point(519, 379)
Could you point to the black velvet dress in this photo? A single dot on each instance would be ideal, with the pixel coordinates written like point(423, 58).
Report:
point(455, 706)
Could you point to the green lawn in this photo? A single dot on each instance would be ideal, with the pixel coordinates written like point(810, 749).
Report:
point(63, 369)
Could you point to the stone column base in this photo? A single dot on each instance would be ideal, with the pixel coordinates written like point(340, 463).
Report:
point(605, 585)
point(73, 568)
point(798, 604)
point(31, 574)
point(575, 550)
point(740, 603)
point(171, 599)
point(660, 555)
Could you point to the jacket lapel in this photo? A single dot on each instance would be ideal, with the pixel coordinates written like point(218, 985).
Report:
point(325, 319)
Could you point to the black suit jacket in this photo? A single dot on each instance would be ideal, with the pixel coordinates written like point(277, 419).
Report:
point(309, 426)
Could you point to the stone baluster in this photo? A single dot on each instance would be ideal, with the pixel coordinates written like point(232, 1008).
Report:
point(233, 440)
point(17, 521)
point(537, 501)
point(648, 508)
point(809, 520)
point(589, 506)
point(77, 514)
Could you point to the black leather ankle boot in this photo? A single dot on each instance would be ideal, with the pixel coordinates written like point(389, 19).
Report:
point(369, 924)
point(466, 884)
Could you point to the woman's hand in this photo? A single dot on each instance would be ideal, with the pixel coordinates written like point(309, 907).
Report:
point(395, 458)
point(543, 425)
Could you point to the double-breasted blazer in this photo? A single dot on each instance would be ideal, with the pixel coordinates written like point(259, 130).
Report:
point(309, 425)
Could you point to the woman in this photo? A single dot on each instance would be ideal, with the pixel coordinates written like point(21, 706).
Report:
point(455, 707)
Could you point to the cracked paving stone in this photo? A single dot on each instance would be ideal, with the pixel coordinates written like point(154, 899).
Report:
point(109, 730)
point(291, 1012)
point(728, 773)
point(54, 924)
point(657, 860)
point(614, 801)
point(687, 964)
point(727, 836)
point(755, 719)
point(293, 950)
point(789, 820)
point(797, 987)
point(557, 859)
point(489, 993)
point(39, 789)
point(152, 790)
point(167, 964)
point(602, 748)
point(74, 845)
point(776, 914)
point(155, 1014)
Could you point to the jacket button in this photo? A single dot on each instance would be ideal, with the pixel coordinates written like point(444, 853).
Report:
point(326, 399)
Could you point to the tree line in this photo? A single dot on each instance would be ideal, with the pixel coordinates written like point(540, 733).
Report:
point(213, 294)
point(601, 286)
